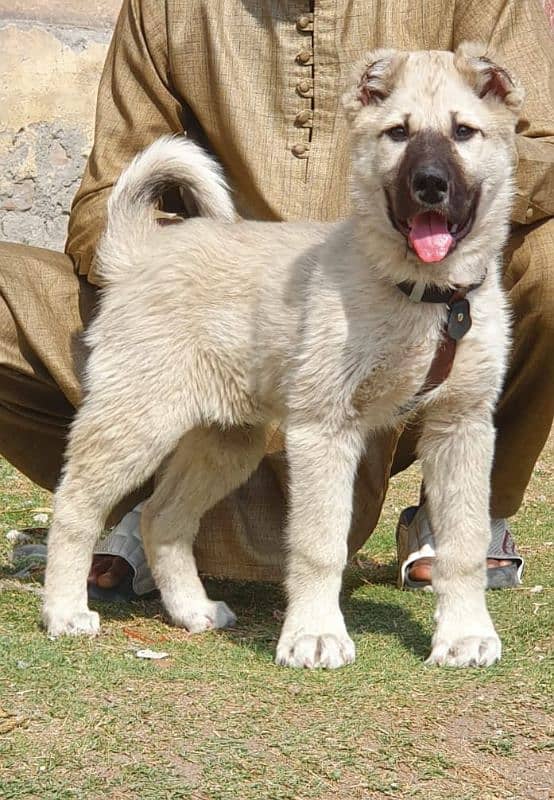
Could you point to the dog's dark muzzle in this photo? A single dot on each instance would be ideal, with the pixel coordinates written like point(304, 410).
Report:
point(430, 186)
point(430, 201)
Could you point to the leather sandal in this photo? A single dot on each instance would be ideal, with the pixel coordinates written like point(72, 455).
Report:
point(414, 540)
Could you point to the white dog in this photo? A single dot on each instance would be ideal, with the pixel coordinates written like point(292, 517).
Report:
point(207, 330)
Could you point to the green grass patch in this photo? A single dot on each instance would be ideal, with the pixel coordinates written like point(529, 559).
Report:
point(218, 721)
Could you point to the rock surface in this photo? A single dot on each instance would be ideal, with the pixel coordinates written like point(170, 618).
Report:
point(52, 56)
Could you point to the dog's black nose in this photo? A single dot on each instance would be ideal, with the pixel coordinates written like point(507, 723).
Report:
point(430, 185)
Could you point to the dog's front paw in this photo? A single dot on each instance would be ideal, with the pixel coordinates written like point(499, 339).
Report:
point(326, 651)
point(468, 651)
point(464, 636)
point(315, 643)
point(79, 623)
point(203, 617)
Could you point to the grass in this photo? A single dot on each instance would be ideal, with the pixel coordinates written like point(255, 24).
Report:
point(218, 721)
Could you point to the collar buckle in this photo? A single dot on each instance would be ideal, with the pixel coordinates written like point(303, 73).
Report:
point(457, 324)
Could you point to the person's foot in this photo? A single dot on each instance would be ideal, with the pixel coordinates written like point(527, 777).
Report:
point(107, 572)
point(119, 569)
point(420, 570)
point(416, 553)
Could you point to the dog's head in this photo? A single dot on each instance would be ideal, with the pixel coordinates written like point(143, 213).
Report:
point(433, 145)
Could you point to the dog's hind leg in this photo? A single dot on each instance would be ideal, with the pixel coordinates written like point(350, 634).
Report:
point(207, 465)
point(111, 451)
point(456, 450)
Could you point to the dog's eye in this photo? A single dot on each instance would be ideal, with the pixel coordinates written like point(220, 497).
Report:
point(463, 132)
point(398, 133)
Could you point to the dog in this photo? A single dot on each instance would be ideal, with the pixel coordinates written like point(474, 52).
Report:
point(208, 329)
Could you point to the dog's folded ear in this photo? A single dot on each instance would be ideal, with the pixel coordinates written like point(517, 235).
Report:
point(488, 79)
point(374, 80)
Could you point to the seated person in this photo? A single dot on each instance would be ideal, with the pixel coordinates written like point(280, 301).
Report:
point(269, 110)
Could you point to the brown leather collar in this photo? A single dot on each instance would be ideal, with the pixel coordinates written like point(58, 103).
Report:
point(456, 325)
point(432, 293)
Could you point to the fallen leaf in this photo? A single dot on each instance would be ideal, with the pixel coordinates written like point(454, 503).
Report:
point(11, 723)
point(137, 636)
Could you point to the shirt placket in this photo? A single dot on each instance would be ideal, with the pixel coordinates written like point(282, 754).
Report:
point(326, 191)
point(302, 123)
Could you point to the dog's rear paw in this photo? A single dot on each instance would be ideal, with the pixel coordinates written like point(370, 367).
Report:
point(327, 651)
point(81, 623)
point(211, 614)
point(471, 651)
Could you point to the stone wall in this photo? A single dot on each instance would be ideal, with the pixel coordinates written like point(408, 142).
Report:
point(51, 55)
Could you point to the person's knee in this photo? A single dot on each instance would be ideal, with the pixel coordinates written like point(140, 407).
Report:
point(9, 346)
point(541, 244)
point(529, 280)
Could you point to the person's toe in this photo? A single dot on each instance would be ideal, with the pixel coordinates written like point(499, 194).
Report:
point(100, 564)
point(420, 570)
point(116, 572)
point(495, 563)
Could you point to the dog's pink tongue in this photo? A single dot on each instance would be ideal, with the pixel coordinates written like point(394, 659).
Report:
point(429, 236)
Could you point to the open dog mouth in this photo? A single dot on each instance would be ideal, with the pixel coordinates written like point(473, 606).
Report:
point(431, 234)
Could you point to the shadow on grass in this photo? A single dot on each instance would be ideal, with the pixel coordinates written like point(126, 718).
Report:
point(366, 616)
point(260, 608)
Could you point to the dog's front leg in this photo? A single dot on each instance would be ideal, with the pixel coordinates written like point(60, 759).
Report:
point(456, 451)
point(322, 471)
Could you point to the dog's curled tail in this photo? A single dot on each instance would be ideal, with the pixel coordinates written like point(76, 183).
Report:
point(170, 162)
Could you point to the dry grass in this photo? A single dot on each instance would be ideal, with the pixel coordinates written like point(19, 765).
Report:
point(217, 720)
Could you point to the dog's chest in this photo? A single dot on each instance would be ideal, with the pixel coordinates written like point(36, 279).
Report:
point(390, 385)
point(386, 386)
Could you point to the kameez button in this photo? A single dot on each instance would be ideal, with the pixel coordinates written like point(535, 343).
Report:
point(304, 57)
point(304, 87)
point(304, 22)
point(529, 213)
point(304, 118)
point(300, 150)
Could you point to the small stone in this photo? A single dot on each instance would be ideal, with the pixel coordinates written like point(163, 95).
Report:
point(21, 198)
point(151, 655)
point(17, 537)
point(58, 155)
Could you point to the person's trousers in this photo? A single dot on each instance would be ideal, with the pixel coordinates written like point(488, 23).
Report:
point(44, 307)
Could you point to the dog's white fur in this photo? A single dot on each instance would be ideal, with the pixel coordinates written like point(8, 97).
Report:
point(208, 330)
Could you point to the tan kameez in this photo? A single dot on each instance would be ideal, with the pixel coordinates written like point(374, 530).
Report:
point(258, 83)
